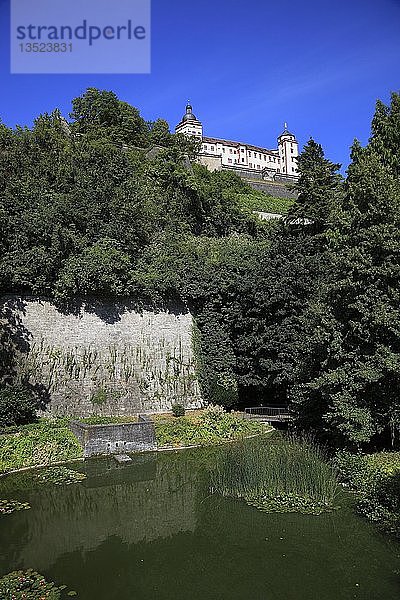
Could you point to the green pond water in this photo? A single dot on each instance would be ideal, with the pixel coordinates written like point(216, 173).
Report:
point(150, 530)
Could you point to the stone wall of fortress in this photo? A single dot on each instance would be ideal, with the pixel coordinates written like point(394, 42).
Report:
point(107, 359)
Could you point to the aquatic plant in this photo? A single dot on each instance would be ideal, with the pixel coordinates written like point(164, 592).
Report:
point(291, 476)
point(60, 476)
point(9, 506)
point(29, 585)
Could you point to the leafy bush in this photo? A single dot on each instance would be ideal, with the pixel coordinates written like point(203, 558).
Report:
point(209, 428)
point(101, 269)
point(178, 410)
point(17, 406)
point(29, 585)
point(223, 389)
point(376, 480)
point(213, 413)
point(40, 443)
point(215, 356)
point(386, 462)
point(99, 397)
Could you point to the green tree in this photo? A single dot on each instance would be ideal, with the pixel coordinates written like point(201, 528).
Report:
point(18, 406)
point(280, 295)
point(103, 269)
point(99, 114)
point(356, 389)
point(160, 134)
point(318, 188)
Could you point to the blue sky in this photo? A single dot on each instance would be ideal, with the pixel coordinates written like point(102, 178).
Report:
point(246, 67)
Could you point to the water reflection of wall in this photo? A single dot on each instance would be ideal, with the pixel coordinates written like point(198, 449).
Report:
point(81, 517)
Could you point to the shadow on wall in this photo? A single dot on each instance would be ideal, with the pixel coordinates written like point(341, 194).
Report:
point(14, 342)
point(14, 338)
point(110, 311)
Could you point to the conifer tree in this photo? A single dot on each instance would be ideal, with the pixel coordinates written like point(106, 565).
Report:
point(318, 190)
point(276, 347)
point(357, 388)
point(313, 222)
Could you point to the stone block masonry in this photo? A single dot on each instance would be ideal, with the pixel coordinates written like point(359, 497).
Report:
point(104, 358)
point(275, 189)
point(115, 439)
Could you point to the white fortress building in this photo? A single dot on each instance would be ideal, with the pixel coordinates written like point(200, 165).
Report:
point(248, 160)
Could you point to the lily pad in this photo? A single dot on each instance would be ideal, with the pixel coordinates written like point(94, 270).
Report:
point(60, 476)
point(9, 506)
point(28, 585)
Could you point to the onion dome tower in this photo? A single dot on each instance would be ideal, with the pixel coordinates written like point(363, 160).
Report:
point(190, 125)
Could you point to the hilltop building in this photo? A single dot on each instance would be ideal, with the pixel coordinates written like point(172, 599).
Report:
point(246, 159)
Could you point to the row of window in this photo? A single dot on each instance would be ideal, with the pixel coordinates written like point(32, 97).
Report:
point(256, 154)
point(254, 166)
point(261, 156)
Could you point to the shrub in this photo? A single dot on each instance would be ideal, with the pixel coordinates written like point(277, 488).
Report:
point(206, 429)
point(17, 406)
point(376, 480)
point(213, 413)
point(99, 397)
point(223, 389)
point(101, 269)
point(178, 410)
point(40, 443)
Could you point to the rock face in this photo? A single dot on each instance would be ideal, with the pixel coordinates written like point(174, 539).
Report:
point(106, 359)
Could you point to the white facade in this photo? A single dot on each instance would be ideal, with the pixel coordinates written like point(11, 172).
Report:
point(229, 154)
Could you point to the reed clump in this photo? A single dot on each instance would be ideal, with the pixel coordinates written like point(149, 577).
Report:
point(290, 476)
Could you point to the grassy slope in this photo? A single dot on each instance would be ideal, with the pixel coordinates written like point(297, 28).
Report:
point(260, 201)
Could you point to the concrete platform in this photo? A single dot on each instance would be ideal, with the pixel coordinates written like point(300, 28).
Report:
point(122, 458)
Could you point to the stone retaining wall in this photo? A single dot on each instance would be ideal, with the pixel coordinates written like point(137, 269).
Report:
point(104, 358)
point(115, 438)
point(275, 189)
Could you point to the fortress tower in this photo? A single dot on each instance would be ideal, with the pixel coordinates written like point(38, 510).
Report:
point(288, 151)
point(189, 125)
